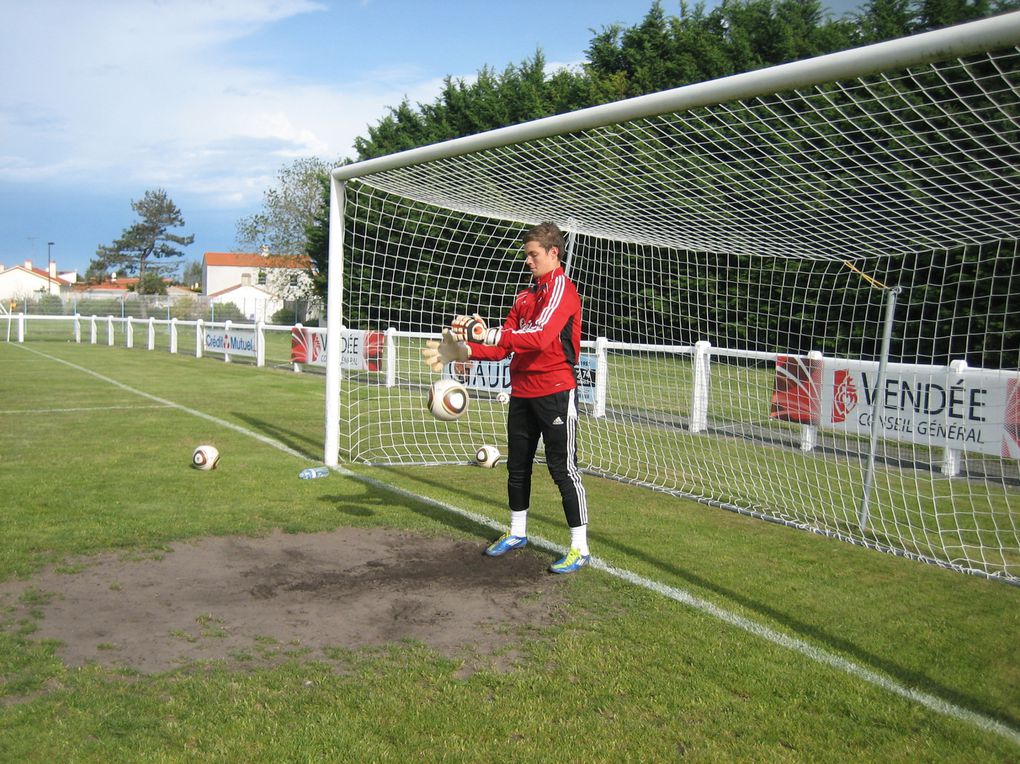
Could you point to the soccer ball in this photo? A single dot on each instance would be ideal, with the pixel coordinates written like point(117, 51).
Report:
point(487, 456)
point(205, 458)
point(448, 399)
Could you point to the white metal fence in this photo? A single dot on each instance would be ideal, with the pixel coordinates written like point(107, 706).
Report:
point(181, 306)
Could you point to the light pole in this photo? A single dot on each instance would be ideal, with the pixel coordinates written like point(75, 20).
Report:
point(49, 266)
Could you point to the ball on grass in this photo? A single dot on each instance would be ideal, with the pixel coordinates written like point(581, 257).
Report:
point(487, 456)
point(205, 458)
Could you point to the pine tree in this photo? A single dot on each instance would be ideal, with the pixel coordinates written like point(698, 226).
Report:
point(147, 240)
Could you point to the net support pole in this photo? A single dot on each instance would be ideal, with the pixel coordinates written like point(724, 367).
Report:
point(568, 254)
point(863, 515)
point(334, 319)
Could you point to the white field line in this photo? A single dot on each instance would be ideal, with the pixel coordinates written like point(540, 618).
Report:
point(81, 408)
point(812, 652)
point(170, 404)
point(806, 649)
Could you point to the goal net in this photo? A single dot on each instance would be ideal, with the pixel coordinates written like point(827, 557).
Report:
point(801, 291)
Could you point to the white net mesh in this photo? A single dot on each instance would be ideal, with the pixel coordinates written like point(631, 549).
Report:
point(737, 264)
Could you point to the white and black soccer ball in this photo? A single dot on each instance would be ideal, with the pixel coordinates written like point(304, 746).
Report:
point(487, 456)
point(448, 399)
point(205, 458)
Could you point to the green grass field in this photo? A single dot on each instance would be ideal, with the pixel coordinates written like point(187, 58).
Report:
point(748, 641)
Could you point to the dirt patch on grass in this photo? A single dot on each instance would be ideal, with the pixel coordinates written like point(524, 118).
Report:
point(252, 600)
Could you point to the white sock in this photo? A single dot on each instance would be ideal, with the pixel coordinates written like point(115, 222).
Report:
point(579, 539)
point(519, 523)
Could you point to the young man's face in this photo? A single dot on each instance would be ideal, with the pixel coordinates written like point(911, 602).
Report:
point(540, 260)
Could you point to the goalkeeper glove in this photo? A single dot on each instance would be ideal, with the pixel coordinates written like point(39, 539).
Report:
point(473, 329)
point(437, 354)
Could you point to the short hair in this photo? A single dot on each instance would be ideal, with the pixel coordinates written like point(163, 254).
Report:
point(548, 235)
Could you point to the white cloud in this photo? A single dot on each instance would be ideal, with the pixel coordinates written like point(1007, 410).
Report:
point(136, 94)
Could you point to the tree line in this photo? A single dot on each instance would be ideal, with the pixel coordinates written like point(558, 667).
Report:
point(659, 53)
point(663, 52)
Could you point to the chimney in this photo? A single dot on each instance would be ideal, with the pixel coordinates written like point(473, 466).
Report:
point(28, 265)
point(53, 270)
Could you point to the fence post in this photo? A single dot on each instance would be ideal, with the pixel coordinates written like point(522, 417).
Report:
point(809, 432)
point(951, 456)
point(93, 329)
point(391, 357)
point(260, 343)
point(129, 332)
point(109, 331)
point(173, 335)
point(21, 327)
point(699, 396)
point(199, 337)
point(302, 336)
point(152, 333)
point(226, 341)
point(77, 328)
point(601, 375)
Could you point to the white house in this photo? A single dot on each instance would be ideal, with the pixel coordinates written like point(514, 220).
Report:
point(255, 303)
point(20, 282)
point(258, 284)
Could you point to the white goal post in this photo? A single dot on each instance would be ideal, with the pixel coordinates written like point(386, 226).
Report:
point(801, 291)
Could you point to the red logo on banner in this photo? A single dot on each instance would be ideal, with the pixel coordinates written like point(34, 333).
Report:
point(299, 345)
point(844, 395)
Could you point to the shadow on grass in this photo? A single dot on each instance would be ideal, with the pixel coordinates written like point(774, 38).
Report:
point(808, 631)
point(378, 498)
point(298, 441)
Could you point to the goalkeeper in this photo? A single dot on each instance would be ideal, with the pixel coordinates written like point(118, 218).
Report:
point(543, 332)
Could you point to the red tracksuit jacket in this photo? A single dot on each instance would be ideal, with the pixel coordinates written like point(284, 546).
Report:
point(543, 331)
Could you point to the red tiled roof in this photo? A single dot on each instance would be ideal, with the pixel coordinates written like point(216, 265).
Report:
point(255, 260)
point(121, 285)
point(240, 286)
point(40, 273)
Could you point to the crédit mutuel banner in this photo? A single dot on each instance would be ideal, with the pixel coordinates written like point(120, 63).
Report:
point(238, 341)
point(969, 410)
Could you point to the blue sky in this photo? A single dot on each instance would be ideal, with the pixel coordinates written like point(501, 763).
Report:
point(101, 100)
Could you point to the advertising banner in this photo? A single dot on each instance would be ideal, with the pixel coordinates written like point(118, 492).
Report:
point(359, 350)
point(238, 341)
point(797, 394)
point(969, 410)
point(494, 376)
point(926, 405)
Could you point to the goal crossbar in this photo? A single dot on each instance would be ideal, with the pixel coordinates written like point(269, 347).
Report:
point(938, 45)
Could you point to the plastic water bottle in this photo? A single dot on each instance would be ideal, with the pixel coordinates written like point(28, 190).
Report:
point(310, 473)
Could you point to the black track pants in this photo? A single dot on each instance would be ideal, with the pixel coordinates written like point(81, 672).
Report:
point(554, 419)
